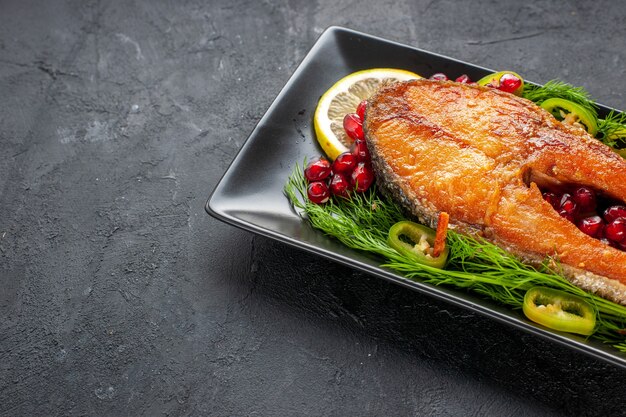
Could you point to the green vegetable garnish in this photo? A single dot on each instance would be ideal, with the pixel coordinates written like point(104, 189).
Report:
point(559, 89)
point(415, 241)
point(571, 113)
point(476, 265)
point(559, 310)
point(612, 130)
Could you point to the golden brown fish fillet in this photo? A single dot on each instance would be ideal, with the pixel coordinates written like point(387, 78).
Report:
point(479, 154)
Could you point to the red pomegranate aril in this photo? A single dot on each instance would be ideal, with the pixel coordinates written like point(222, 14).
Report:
point(340, 186)
point(553, 199)
point(616, 230)
point(569, 216)
point(585, 199)
point(318, 192)
point(345, 163)
point(509, 83)
point(570, 207)
point(359, 149)
point(360, 110)
point(614, 212)
point(568, 204)
point(353, 125)
point(439, 76)
point(463, 79)
point(591, 225)
point(600, 234)
point(317, 170)
point(362, 177)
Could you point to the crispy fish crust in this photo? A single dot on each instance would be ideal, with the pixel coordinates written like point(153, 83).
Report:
point(481, 155)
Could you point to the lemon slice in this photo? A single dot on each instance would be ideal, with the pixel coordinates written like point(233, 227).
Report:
point(343, 98)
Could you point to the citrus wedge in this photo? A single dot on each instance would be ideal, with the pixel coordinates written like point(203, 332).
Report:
point(343, 98)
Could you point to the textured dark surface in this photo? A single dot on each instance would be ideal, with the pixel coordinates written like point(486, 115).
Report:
point(119, 296)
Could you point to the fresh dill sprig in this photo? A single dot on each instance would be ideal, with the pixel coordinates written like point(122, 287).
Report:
point(359, 223)
point(363, 222)
point(612, 130)
point(559, 89)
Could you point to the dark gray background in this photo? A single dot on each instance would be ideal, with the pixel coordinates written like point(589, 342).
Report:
point(120, 296)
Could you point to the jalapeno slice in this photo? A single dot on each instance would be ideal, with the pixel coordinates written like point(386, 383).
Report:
point(416, 242)
point(570, 112)
point(508, 81)
point(559, 310)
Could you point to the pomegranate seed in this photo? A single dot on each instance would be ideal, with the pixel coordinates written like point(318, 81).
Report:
point(616, 230)
point(553, 199)
point(591, 225)
point(614, 212)
point(318, 169)
point(345, 163)
point(359, 149)
point(568, 204)
point(353, 126)
point(362, 177)
point(360, 110)
point(509, 83)
point(340, 186)
point(585, 199)
point(567, 215)
point(463, 79)
point(318, 192)
point(439, 76)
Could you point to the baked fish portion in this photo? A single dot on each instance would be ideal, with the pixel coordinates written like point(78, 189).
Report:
point(482, 156)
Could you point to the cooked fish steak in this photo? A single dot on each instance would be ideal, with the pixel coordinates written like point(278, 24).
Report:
point(481, 155)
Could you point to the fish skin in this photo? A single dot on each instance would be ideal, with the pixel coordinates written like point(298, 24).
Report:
point(478, 154)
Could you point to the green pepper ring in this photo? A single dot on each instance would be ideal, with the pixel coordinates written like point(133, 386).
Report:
point(559, 310)
point(414, 232)
point(553, 105)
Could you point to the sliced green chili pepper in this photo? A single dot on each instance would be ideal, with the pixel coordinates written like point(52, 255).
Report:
point(416, 242)
point(559, 310)
point(508, 81)
point(571, 113)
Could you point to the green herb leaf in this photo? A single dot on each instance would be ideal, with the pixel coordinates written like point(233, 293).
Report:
point(612, 130)
point(363, 222)
point(559, 89)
